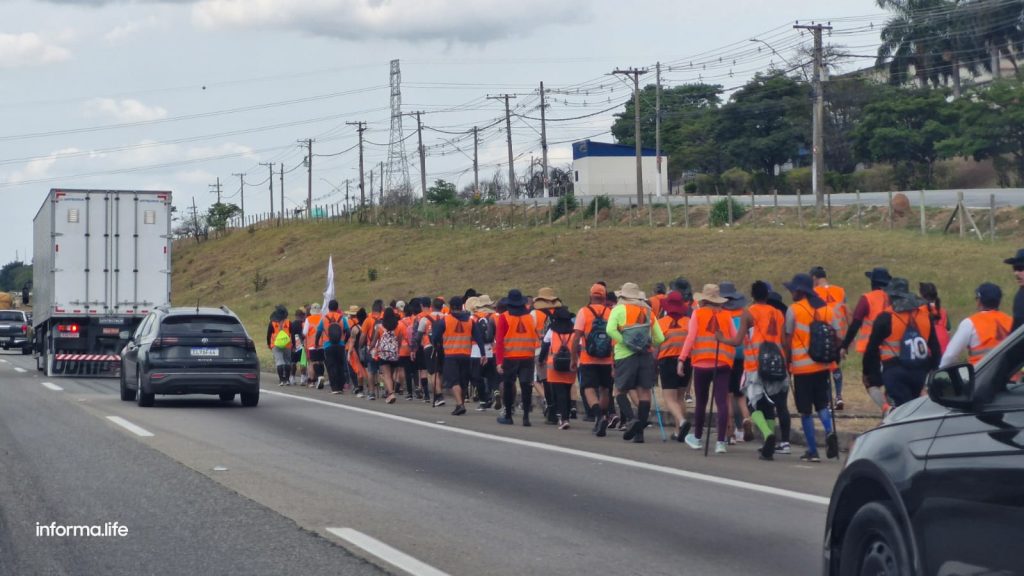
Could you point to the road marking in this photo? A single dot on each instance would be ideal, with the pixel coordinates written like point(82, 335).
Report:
point(53, 386)
point(392, 556)
point(137, 430)
point(574, 452)
point(4, 361)
point(20, 370)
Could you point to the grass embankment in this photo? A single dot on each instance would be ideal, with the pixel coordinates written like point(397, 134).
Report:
point(432, 261)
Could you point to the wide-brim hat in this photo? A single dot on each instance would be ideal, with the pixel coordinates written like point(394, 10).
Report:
point(471, 304)
point(736, 298)
point(879, 275)
point(673, 303)
point(630, 291)
point(314, 308)
point(352, 310)
point(801, 283)
point(484, 302)
point(515, 298)
point(1017, 260)
point(901, 298)
point(711, 294)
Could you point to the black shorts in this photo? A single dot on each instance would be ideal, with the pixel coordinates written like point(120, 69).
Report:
point(296, 356)
point(457, 371)
point(736, 376)
point(406, 363)
point(434, 359)
point(670, 379)
point(811, 390)
point(596, 376)
point(636, 371)
point(393, 364)
point(316, 355)
point(421, 359)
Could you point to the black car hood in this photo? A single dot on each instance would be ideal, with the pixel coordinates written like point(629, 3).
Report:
point(922, 408)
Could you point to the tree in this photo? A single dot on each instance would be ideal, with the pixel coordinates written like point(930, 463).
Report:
point(904, 129)
point(14, 275)
point(992, 126)
point(442, 192)
point(219, 214)
point(845, 101)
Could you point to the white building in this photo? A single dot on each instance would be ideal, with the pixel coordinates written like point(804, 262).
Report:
point(602, 169)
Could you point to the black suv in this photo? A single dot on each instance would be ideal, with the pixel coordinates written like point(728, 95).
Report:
point(938, 488)
point(190, 351)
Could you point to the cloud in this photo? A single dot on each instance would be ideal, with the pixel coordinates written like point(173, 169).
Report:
point(28, 49)
point(126, 110)
point(129, 29)
point(40, 167)
point(470, 21)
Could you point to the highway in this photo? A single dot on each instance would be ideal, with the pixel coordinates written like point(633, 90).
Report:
point(309, 483)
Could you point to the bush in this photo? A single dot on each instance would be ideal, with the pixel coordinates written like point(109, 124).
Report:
point(878, 178)
point(720, 212)
point(706, 184)
point(371, 274)
point(736, 180)
point(259, 282)
point(690, 188)
point(797, 179)
point(561, 203)
point(839, 182)
point(600, 202)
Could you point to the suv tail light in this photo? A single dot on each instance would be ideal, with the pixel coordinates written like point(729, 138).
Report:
point(163, 342)
point(250, 345)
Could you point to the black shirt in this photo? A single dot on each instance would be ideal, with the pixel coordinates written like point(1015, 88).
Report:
point(1018, 308)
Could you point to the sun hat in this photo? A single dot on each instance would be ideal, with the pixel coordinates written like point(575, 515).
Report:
point(471, 303)
point(1017, 260)
point(352, 310)
point(737, 300)
point(546, 299)
point(711, 294)
point(879, 275)
point(673, 303)
point(314, 308)
point(630, 291)
point(515, 298)
point(901, 298)
point(801, 283)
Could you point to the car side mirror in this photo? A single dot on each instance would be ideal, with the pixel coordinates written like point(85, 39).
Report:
point(952, 387)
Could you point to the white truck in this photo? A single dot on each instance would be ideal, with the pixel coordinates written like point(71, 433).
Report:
point(102, 262)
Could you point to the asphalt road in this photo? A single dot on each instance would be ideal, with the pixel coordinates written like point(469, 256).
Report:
point(292, 486)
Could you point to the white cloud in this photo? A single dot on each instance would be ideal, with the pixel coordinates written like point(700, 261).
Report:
point(28, 49)
point(126, 110)
point(124, 31)
point(39, 168)
point(472, 21)
point(199, 176)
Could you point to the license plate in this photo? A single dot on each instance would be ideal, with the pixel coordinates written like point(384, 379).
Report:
point(206, 352)
point(111, 331)
point(67, 334)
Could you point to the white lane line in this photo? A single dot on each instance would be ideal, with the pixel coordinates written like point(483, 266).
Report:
point(53, 386)
point(3, 361)
point(803, 497)
point(20, 370)
point(137, 430)
point(392, 556)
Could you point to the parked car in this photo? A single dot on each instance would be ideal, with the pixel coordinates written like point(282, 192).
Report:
point(190, 351)
point(938, 488)
point(15, 331)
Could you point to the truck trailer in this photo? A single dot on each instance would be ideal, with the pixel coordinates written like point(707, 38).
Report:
point(102, 262)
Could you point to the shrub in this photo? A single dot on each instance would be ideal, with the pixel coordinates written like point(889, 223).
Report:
point(720, 212)
point(798, 179)
point(600, 202)
point(690, 188)
point(259, 281)
point(371, 274)
point(706, 184)
point(878, 178)
point(561, 204)
point(737, 180)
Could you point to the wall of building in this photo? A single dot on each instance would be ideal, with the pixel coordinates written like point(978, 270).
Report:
point(616, 176)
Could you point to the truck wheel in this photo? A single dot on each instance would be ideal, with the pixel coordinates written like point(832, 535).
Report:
point(127, 394)
point(250, 399)
point(143, 399)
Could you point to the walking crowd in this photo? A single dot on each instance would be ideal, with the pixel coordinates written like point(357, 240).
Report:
point(740, 354)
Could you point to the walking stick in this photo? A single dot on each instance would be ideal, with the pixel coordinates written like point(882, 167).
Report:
point(711, 394)
point(661, 424)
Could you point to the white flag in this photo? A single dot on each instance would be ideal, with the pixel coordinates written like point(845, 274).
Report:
point(329, 291)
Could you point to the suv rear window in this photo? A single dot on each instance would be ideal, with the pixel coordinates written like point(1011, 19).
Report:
point(11, 317)
point(198, 325)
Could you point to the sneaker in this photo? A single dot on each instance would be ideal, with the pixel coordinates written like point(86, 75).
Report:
point(689, 400)
point(359, 393)
point(483, 407)
point(614, 421)
point(720, 448)
point(810, 457)
point(496, 397)
point(636, 427)
point(839, 403)
point(320, 383)
point(639, 438)
point(601, 430)
point(505, 419)
point(563, 424)
point(526, 419)
point(408, 396)
point(281, 383)
point(459, 410)
point(832, 446)
point(748, 430)
point(335, 391)
point(783, 448)
point(573, 415)
point(684, 429)
point(371, 397)
point(438, 402)
point(767, 450)
point(694, 442)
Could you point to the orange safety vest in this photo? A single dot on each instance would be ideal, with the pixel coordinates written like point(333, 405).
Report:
point(878, 302)
point(313, 321)
point(559, 341)
point(992, 327)
point(521, 340)
point(804, 314)
point(405, 325)
point(675, 331)
point(890, 349)
point(709, 323)
point(656, 304)
point(589, 313)
point(768, 326)
point(835, 298)
point(457, 339)
point(431, 318)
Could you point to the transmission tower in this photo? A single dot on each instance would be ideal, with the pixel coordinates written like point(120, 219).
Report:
point(397, 174)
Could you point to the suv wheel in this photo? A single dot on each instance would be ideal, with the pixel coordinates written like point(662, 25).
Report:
point(227, 396)
point(874, 543)
point(127, 394)
point(250, 399)
point(143, 399)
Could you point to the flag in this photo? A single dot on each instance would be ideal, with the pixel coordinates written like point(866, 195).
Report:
point(329, 291)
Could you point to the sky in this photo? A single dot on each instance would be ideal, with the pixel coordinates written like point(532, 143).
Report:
point(174, 94)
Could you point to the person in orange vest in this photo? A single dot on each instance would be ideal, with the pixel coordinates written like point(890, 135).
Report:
point(454, 336)
point(515, 344)
point(408, 367)
point(556, 352)
point(712, 362)
point(387, 346)
point(982, 331)
point(367, 345)
point(940, 316)
point(868, 308)
point(903, 347)
point(685, 289)
point(331, 335)
point(595, 371)
point(636, 333)
point(298, 345)
point(482, 369)
point(810, 376)
point(431, 356)
point(544, 303)
point(675, 325)
point(835, 297)
point(280, 346)
point(314, 354)
point(657, 299)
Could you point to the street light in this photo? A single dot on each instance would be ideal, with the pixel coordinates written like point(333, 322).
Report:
point(774, 51)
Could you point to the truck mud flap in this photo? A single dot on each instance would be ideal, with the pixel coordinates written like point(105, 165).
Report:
point(90, 365)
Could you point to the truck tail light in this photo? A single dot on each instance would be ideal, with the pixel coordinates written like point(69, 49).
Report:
point(73, 328)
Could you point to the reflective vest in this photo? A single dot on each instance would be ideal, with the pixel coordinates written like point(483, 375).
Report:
point(431, 317)
point(890, 349)
point(312, 321)
point(541, 319)
point(709, 322)
point(656, 304)
point(599, 310)
point(769, 325)
point(559, 341)
point(835, 298)
point(804, 314)
point(675, 331)
point(521, 339)
point(992, 327)
point(328, 319)
point(878, 302)
point(457, 339)
point(405, 327)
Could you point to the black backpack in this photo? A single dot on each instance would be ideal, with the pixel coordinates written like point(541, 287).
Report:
point(486, 324)
point(914, 350)
point(599, 344)
point(824, 344)
point(335, 333)
point(562, 361)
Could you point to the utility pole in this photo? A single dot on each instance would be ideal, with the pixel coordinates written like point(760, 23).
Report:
point(241, 189)
point(271, 166)
point(347, 207)
point(380, 195)
point(657, 128)
point(476, 161)
point(818, 152)
point(216, 188)
point(508, 133)
point(636, 73)
point(195, 218)
point(544, 141)
point(309, 174)
point(282, 192)
point(423, 152)
point(373, 174)
point(360, 127)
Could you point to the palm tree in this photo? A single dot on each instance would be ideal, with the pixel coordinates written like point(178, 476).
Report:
point(910, 38)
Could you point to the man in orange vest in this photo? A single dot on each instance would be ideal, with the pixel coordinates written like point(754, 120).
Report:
point(432, 358)
point(810, 375)
point(595, 371)
point(868, 308)
point(903, 343)
point(544, 304)
point(314, 354)
point(734, 307)
point(366, 345)
point(635, 331)
point(835, 297)
point(982, 331)
point(657, 299)
point(515, 345)
point(454, 335)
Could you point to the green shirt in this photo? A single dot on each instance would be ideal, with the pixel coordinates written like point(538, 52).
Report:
point(617, 318)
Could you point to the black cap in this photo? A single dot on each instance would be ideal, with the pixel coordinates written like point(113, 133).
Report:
point(989, 294)
point(818, 272)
